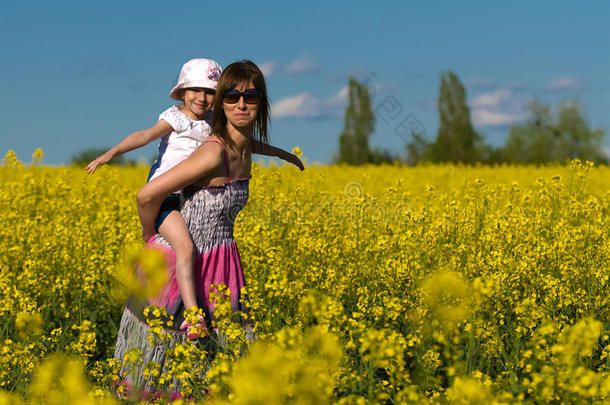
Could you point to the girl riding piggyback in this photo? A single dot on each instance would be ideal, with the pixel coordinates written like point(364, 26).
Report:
point(182, 129)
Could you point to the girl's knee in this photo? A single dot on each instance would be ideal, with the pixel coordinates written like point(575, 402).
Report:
point(184, 248)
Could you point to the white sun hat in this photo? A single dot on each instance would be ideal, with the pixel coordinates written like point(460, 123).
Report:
point(200, 72)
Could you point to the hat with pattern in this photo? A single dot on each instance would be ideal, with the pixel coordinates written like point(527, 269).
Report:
point(202, 73)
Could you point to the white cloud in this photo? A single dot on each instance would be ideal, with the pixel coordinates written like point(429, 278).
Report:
point(500, 107)
point(339, 98)
point(565, 83)
point(267, 68)
point(303, 64)
point(504, 106)
point(482, 117)
point(302, 105)
point(491, 99)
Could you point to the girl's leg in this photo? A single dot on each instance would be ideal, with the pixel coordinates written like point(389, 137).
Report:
point(176, 232)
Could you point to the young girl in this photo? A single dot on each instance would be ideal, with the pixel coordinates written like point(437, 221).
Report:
point(182, 129)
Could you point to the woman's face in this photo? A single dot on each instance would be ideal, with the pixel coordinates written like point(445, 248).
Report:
point(241, 112)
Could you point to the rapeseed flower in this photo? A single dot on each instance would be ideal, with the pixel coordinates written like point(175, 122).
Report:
point(434, 283)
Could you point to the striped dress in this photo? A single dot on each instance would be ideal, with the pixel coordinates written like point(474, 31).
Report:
point(209, 212)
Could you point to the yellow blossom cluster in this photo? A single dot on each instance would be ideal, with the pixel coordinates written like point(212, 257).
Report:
point(374, 284)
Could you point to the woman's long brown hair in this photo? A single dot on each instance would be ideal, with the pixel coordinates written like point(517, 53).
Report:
point(235, 74)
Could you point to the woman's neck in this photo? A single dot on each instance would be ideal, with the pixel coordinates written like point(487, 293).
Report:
point(240, 136)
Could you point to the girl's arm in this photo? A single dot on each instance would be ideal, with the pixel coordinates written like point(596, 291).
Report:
point(135, 140)
point(268, 150)
point(204, 161)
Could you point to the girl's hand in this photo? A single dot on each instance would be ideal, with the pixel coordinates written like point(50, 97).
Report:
point(196, 330)
point(98, 161)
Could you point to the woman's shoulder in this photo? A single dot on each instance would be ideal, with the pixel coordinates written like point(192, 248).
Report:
point(215, 140)
point(211, 159)
point(212, 148)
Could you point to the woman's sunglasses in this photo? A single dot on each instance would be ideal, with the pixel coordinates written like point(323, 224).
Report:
point(232, 96)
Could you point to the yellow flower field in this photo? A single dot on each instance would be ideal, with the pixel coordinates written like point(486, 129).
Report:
point(374, 284)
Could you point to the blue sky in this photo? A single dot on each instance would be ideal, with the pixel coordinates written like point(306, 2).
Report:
point(77, 75)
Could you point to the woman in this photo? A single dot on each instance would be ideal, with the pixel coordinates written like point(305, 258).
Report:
point(214, 180)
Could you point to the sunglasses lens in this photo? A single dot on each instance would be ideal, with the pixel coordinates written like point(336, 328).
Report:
point(231, 98)
point(251, 98)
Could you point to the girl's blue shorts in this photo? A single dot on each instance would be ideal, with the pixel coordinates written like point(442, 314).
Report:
point(171, 203)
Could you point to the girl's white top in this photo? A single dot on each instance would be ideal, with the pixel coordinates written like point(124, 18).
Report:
point(187, 135)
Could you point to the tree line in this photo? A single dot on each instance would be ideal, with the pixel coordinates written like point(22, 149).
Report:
point(544, 137)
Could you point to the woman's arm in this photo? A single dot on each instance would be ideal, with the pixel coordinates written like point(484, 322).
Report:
point(135, 140)
point(204, 161)
point(268, 150)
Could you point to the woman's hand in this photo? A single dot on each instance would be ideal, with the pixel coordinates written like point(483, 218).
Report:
point(294, 159)
point(268, 150)
point(147, 235)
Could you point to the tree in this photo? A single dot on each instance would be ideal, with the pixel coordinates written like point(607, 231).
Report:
point(544, 138)
point(418, 149)
point(359, 125)
point(456, 140)
point(378, 156)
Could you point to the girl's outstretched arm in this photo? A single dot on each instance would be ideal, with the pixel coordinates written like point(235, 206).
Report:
point(268, 150)
point(135, 140)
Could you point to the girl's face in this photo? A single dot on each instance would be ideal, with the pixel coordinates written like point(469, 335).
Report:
point(197, 102)
point(241, 105)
